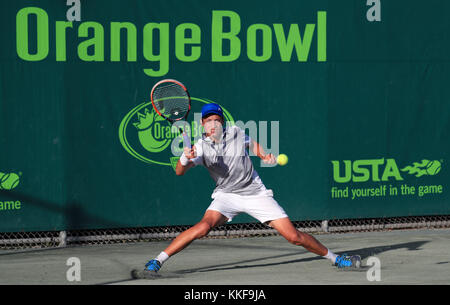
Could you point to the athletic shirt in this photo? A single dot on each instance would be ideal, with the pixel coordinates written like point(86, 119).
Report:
point(229, 164)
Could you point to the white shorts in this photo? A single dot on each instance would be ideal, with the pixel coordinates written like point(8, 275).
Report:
point(262, 207)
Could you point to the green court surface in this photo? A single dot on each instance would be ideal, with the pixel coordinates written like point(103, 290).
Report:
point(405, 257)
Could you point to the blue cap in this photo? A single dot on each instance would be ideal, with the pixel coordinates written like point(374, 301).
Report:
point(211, 108)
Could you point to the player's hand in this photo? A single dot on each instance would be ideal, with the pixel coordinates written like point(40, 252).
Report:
point(269, 159)
point(190, 153)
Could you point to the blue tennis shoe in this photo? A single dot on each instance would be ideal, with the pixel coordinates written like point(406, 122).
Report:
point(346, 261)
point(153, 265)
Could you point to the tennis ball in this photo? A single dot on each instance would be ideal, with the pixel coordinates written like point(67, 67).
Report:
point(282, 159)
point(9, 181)
point(433, 167)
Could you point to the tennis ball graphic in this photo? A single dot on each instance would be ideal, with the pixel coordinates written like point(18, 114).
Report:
point(9, 181)
point(433, 167)
point(282, 159)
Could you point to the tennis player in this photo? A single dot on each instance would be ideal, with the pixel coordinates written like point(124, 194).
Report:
point(239, 189)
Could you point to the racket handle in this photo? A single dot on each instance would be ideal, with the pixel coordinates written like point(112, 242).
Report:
point(186, 140)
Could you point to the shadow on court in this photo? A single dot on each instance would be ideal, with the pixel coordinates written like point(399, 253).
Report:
point(249, 264)
point(363, 252)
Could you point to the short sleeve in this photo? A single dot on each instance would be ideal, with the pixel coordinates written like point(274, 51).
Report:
point(247, 138)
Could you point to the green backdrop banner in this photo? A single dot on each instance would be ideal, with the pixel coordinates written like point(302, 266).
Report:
point(355, 92)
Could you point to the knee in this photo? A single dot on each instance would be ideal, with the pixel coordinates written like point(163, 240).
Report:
point(202, 229)
point(295, 238)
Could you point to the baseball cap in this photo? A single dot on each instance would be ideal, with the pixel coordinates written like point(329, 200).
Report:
point(211, 108)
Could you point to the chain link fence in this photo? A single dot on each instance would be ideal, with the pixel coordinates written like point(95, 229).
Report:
point(49, 239)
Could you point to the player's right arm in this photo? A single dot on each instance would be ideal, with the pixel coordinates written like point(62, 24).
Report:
point(189, 154)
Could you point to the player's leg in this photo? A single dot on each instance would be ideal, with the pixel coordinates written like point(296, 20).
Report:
point(267, 210)
point(285, 227)
point(210, 220)
point(220, 211)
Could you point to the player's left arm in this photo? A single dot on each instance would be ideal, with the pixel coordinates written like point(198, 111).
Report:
point(260, 153)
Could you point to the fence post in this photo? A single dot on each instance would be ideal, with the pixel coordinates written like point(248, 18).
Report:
point(325, 226)
point(62, 238)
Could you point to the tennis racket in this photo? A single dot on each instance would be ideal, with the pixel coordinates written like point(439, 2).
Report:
point(171, 100)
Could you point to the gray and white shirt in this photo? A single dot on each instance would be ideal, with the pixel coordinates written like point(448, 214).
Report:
point(229, 164)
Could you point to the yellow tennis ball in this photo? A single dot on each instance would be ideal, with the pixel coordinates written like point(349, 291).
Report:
point(282, 159)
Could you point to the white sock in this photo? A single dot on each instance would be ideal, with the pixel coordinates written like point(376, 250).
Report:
point(162, 257)
point(331, 256)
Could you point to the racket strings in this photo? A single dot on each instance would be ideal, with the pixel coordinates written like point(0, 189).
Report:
point(171, 100)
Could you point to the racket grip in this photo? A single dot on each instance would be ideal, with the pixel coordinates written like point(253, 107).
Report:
point(186, 140)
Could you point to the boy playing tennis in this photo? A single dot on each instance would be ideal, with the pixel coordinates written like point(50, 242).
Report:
point(223, 151)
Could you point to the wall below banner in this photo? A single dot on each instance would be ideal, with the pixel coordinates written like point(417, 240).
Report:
point(355, 95)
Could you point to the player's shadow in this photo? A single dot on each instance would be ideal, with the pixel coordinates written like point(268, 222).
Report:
point(363, 252)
